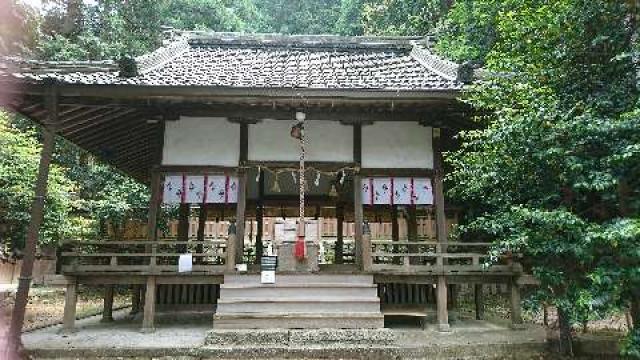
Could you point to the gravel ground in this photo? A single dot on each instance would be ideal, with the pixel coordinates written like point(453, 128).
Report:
point(46, 304)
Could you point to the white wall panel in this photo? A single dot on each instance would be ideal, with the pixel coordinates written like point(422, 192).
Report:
point(397, 144)
point(201, 141)
point(270, 140)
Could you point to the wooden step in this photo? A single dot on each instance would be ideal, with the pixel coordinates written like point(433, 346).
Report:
point(363, 320)
point(235, 279)
point(301, 305)
point(298, 292)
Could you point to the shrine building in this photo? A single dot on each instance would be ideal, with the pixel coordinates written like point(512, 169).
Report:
point(219, 126)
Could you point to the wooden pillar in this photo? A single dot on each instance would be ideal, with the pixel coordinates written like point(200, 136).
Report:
point(183, 226)
point(358, 215)
point(70, 300)
point(260, 218)
point(202, 223)
point(240, 209)
point(441, 235)
point(37, 211)
point(478, 297)
point(107, 310)
point(230, 260)
point(367, 260)
point(412, 232)
point(358, 221)
point(339, 250)
point(135, 299)
point(149, 305)
point(395, 234)
point(516, 306)
point(441, 303)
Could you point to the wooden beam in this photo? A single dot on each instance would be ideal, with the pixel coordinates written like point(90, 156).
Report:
point(122, 126)
point(70, 119)
point(96, 120)
point(37, 212)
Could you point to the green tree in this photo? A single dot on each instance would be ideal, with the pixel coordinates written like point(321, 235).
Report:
point(402, 17)
point(555, 159)
point(19, 157)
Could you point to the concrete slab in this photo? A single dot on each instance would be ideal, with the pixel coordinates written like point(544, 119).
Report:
point(183, 337)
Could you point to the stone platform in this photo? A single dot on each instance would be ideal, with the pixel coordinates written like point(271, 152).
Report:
point(184, 337)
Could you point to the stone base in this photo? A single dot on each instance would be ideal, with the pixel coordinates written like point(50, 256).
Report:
point(287, 262)
point(295, 338)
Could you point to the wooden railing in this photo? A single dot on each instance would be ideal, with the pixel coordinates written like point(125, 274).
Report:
point(431, 257)
point(141, 256)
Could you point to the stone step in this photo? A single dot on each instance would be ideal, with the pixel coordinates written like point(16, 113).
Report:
point(300, 305)
point(298, 292)
point(363, 320)
point(289, 279)
point(299, 337)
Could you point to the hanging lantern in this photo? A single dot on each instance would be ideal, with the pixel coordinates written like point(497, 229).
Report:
point(276, 185)
point(333, 192)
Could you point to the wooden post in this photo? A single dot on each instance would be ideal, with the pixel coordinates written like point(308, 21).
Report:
point(37, 211)
point(260, 218)
point(135, 299)
point(516, 306)
point(367, 261)
point(442, 312)
point(230, 261)
point(339, 249)
point(240, 209)
point(479, 301)
point(202, 223)
point(149, 305)
point(438, 196)
point(395, 235)
point(70, 300)
point(358, 222)
point(107, 310)
point(183, 226)
point(152, 221)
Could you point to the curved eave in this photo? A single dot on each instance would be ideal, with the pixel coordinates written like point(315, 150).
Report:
point(171, 91)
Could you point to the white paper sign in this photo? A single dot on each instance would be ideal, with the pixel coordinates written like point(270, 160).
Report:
point(194, 189)
point(423, 191)
point(382, 191)
point(185, 263)
point(172, 189)
point(367, 185)
point(402, 190)
point(268, 277)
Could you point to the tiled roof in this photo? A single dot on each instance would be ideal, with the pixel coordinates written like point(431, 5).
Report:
point(268, 61)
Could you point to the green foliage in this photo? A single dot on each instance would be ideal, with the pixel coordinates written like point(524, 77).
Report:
point(551, 171)
point(469, 30)
point(19, 158)
point(402, 17)
point(350, 20)
point(298, 17)
point(631, 345)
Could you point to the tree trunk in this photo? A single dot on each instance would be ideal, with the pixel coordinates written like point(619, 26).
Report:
point(565, 343)
point(634, 311)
